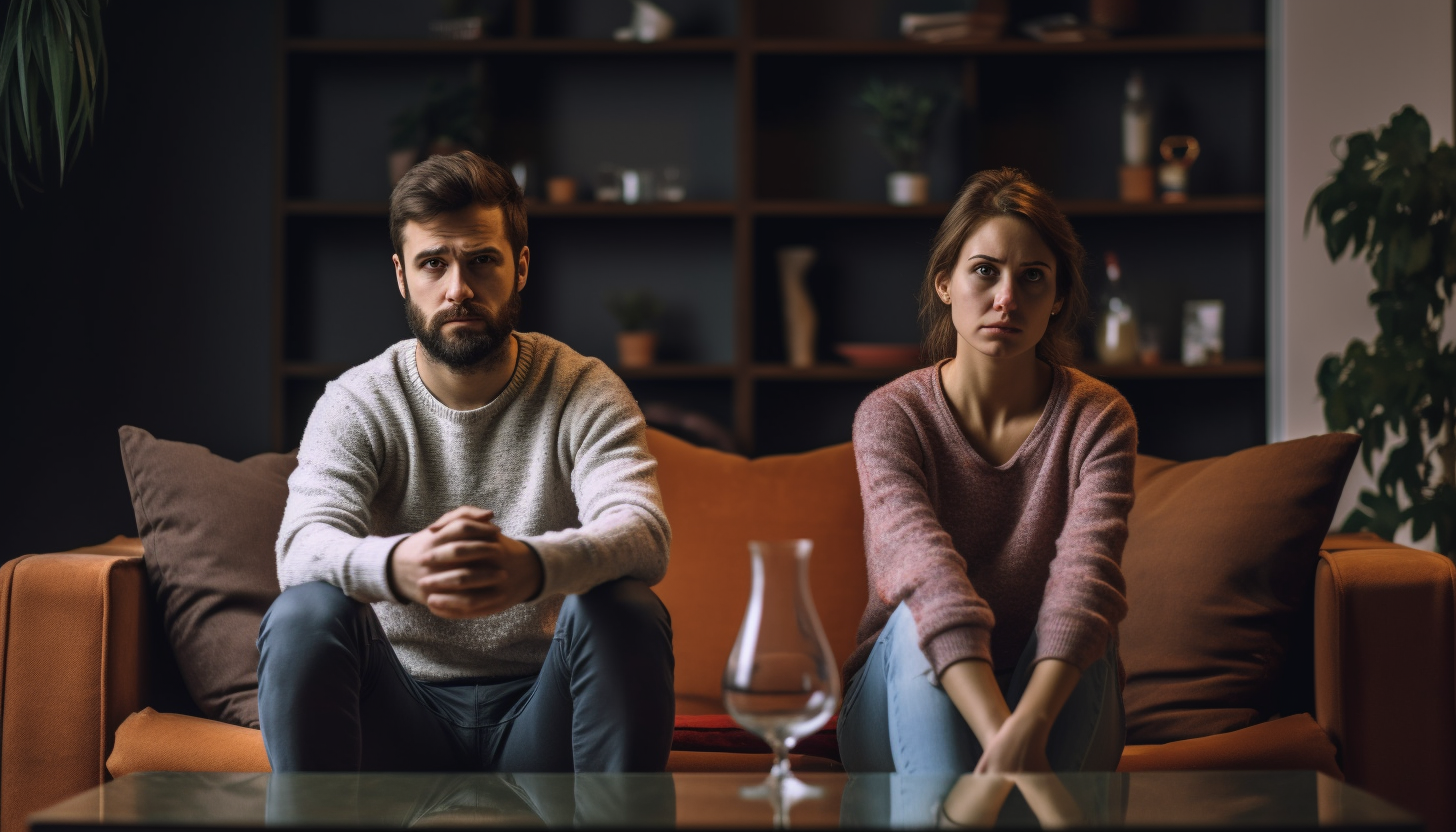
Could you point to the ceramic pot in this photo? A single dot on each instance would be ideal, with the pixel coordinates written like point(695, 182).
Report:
point(907, 188)
point(400, 161)
point(636, 349)
point(801, 322)
point(561, 189)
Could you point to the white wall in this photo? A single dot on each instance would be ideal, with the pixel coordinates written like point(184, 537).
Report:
point(1335, 67)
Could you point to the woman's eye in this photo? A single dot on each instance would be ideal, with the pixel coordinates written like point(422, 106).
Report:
point(984, 270)
point(1034, 275)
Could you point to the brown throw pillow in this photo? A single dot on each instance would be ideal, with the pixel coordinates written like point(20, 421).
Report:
point(208, 526)
point(1220, 562)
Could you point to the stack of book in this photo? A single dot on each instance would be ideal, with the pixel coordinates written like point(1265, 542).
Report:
point(977, 26)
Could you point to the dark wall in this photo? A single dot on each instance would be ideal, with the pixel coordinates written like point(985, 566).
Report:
point(142, 286)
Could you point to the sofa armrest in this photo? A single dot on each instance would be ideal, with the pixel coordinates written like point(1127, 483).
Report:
point(72, 648)
point(1385, 673)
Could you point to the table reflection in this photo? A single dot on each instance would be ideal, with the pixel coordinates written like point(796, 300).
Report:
point(1048, 801)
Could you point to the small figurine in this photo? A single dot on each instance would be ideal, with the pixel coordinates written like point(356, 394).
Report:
point(1173, 174)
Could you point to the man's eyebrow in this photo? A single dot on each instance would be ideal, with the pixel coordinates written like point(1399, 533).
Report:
point(431, 251)
point(435, 251)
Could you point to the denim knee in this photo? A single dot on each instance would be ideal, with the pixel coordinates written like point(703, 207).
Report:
point(301, 614)
point(626, 606)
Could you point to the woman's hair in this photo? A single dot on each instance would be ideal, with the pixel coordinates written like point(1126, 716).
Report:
point(1005, 192)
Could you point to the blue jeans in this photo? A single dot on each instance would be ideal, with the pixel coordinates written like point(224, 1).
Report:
point(333, 696)
point(895, 718)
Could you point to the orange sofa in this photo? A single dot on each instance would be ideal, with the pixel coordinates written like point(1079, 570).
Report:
point(81, 667)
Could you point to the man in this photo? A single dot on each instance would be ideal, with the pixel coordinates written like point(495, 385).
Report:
point(470, 532)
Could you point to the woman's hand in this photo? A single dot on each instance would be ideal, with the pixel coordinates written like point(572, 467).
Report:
point(1019, 746)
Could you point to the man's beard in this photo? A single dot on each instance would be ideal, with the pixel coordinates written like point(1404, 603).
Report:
point(468, 348)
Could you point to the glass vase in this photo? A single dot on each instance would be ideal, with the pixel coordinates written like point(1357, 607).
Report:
point(781, 681)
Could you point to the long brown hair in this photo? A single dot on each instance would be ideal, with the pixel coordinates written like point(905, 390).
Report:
point(1005, 192)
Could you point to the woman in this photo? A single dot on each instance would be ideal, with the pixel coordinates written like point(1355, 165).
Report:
point(996, 488)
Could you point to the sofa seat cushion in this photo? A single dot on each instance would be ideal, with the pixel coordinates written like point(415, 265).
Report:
point(1290, 743)
point(151, 741)
point(718, 732)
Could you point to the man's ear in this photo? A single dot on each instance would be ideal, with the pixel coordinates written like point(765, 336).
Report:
point(399, 277)
point(523, 267)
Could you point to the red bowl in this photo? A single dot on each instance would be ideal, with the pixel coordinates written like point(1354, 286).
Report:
point(880, 355)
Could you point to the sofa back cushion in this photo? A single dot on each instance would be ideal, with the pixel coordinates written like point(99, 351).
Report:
point(208, 525)
point(716, 503)
point(1220, 562)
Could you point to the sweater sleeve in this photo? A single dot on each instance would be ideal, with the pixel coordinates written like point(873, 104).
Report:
point(1085, 595)
point(325, 532)
point(624, 531)
point(909, 555)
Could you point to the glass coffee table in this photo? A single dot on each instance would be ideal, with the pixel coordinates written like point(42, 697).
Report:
point(1198, 800)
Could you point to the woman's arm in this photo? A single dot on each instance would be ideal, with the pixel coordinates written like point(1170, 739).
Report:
point(971, 685)
point(1020, 744)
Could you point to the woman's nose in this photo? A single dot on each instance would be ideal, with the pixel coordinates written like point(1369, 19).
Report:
point(1005, 294)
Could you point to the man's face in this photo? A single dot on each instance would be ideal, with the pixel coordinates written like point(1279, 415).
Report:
point(461, 287)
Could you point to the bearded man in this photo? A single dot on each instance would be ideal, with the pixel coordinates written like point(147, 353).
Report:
point(471, 531)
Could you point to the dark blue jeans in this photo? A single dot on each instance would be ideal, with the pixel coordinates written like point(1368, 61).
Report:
point(333, 696)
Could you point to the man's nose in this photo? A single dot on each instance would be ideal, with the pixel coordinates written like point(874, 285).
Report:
point(457, 291)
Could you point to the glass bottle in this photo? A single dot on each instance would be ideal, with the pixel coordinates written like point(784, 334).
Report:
point(1137, 124)
point(1116, 335)
point(781, 681)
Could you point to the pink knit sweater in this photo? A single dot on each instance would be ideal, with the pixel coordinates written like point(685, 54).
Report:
point(1031, 545)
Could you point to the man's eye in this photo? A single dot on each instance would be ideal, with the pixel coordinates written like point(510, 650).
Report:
point(433, 263)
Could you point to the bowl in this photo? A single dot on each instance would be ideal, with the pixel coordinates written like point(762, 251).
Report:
point(880, 355)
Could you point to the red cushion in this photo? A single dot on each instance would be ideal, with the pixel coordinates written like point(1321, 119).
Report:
point(718, 732)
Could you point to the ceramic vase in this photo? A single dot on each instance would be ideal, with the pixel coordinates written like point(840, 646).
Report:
point(907, 188)
point(801, 322)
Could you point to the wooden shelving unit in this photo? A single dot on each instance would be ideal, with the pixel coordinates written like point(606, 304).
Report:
point(752, 221)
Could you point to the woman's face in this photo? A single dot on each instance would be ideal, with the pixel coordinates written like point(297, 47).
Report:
point(1003, 289)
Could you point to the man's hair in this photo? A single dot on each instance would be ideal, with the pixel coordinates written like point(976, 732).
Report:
point(442, 184)
point(1005, 192)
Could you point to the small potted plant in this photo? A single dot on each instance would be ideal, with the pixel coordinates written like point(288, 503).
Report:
point(636, 311)
point(900, 126)
point(447, 122)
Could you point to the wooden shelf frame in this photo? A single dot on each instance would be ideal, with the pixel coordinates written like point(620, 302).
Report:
point(733, 46)
point(745, 373)
point(806, 208)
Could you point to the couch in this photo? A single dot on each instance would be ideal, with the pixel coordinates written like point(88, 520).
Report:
point(89, 690)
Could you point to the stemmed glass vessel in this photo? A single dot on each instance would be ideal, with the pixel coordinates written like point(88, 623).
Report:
point(781, 681)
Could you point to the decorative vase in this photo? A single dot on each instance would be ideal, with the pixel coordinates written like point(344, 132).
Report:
point(636, 349)
point(801, 322)
point(907, 188)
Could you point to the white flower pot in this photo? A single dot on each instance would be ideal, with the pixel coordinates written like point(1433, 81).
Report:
point(907, 188)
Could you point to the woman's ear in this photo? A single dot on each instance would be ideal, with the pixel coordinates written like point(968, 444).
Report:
point(942, 286)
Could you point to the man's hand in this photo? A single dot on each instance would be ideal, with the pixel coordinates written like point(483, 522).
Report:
point(462, 566)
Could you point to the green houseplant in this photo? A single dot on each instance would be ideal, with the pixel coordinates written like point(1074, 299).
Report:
point(636, 311)
point(900, 127)
point(1393, 199)
point(52, 71)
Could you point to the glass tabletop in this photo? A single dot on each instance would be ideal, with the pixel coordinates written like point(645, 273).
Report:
point(1224, 800)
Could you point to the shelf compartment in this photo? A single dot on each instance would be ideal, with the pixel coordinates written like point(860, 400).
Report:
point(675, 371)
point(1169, 370)
point(612, 210)
point(1171, 44)
point(507, 46)
point(1220, 204)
